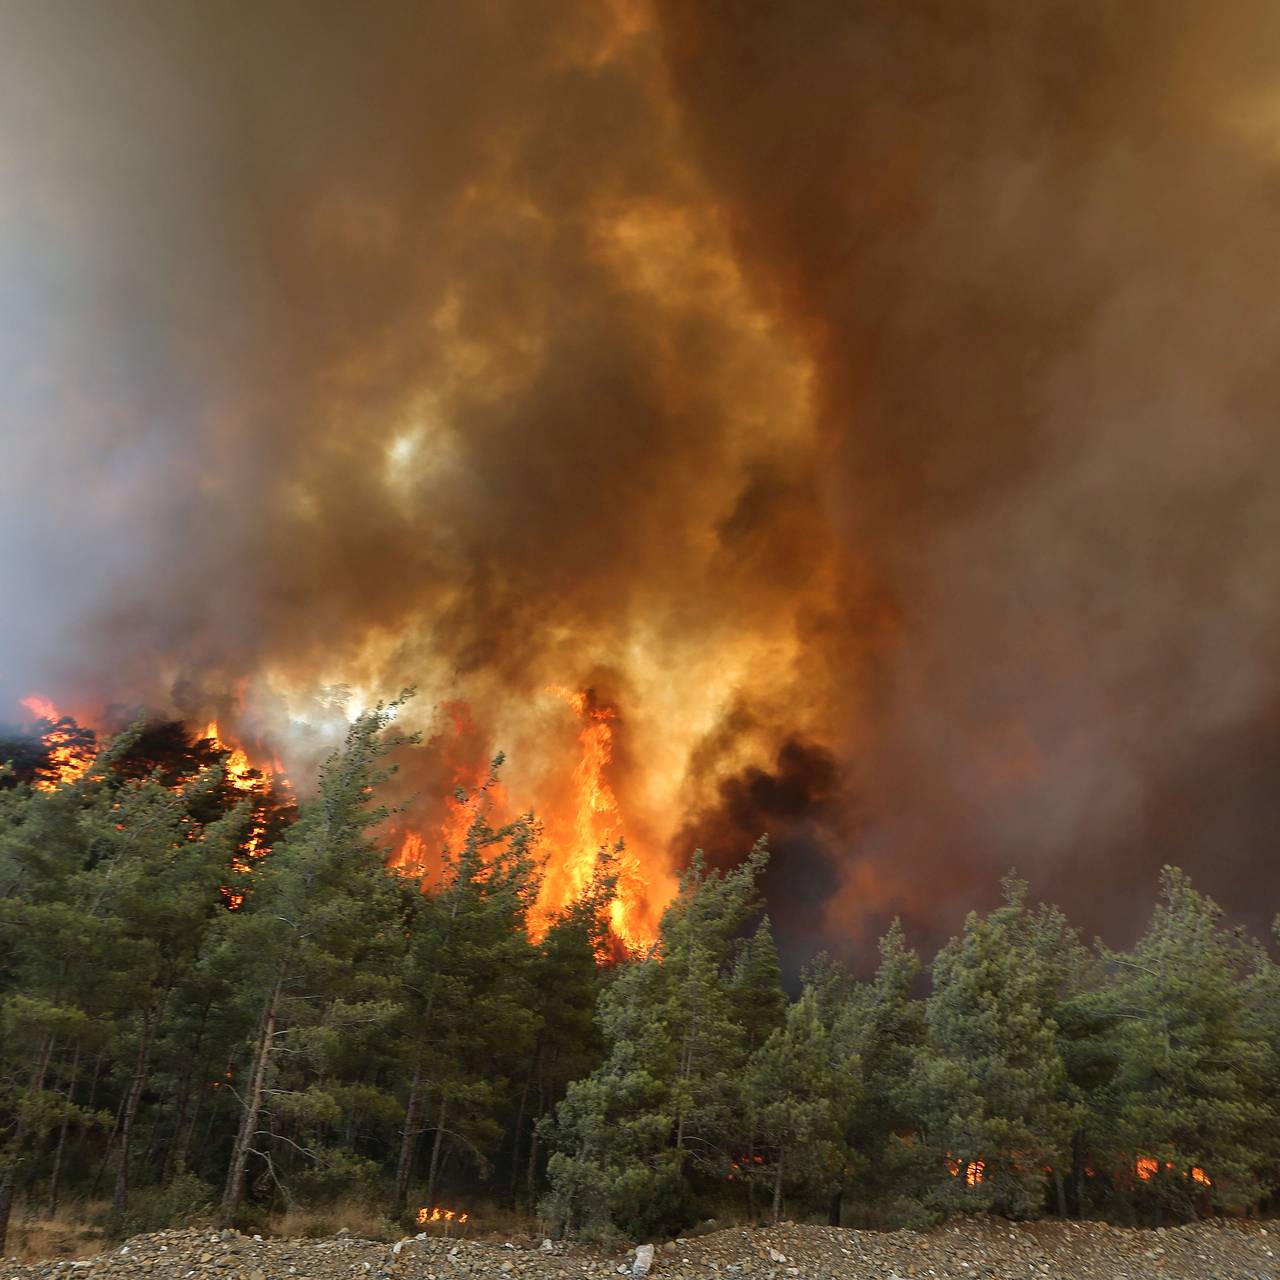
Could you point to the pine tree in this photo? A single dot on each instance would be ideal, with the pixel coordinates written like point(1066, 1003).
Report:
point(565, 984)
point(758, 1006)
point(664, 1104)
point(695, 950)
point(758, 1003)
point(883, 1025)
point(614, 1163)
point(1189, 1118)
point(321, 920)
point(993, 1089)
point(801, 1101)
point(466, 994)
point(106, 918)
point(156, 884)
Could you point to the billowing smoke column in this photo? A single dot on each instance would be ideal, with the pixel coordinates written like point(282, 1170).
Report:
point(871, 404)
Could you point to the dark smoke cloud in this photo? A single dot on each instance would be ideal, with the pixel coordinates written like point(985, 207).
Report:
point(1034, 247)
point(891, 384)
point(801, 802)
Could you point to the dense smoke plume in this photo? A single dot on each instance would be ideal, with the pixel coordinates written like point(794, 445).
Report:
point(874, 403)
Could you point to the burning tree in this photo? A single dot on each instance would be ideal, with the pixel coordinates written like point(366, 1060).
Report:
point(665, 1105)
point(108, 889)
point(315, 943)
point(465, 998)
point(993, 1087)
point(1190, 1116)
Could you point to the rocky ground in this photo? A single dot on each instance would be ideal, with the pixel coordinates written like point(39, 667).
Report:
point(1071, 1251)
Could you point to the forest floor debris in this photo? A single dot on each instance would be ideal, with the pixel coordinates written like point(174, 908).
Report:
point(975, 1249)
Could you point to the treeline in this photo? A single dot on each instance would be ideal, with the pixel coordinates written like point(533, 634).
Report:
point(343, 1033)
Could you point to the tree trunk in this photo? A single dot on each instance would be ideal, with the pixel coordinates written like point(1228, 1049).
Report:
point(233, 1193)
point(836, 1210)
point(436, 1148)
point(1077, 1174)
point(106, 1155)
point(9, 1183)
point(519, 1129)
point(777, 1190)
point(141, 1069)
point(686, 1070)
point(188, 1100)
point(408, 1144)
point(55, 1178)
point(531, 1174)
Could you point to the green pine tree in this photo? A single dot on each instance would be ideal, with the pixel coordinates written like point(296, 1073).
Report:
point(883, 1025)
point(801, 1101)
point(993, 1087)
point(1189, 1119)
point(318, 931)
point(466, 995)
point(663, 1107)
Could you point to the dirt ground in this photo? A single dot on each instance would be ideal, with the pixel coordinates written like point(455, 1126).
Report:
point(970, 1249)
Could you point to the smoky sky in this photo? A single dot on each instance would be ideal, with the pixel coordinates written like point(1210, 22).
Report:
point(877, 393)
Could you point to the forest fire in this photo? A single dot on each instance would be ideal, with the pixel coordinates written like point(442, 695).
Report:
point(584, 818)
point(973, 1171)
point(595, 824)
point(1148, 1167)
point(254, 782)
point(168, 752)
point(69, 750)
point(739, 1163)
point(586, 821)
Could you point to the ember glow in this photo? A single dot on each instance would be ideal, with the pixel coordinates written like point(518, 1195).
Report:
point(1148, 1167)
point(973, 1171)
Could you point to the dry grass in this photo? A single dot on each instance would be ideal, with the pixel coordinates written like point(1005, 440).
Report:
point(356, 1216)
point(370, 1222)
point(33, 1234)
point(73, 1232)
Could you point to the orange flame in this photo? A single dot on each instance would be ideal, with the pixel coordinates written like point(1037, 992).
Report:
point(590, 821)
point(596, 824)
point(247, 779)
point(974, 1171)
point(69, 759)
point(1146, 1167)
point(441, 1215)
point(411, 857)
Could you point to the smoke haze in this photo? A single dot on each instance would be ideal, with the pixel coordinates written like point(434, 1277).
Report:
point(874, 403)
